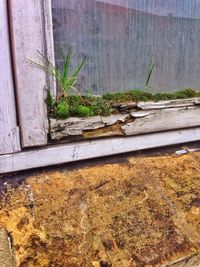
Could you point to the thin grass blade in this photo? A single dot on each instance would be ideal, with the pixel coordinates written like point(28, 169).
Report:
point(150, 69)
point(66, 64)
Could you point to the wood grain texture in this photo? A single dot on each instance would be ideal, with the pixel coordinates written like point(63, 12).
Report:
point(75, 126)
point(9, 131)
point(132, 123)
point(163, 120)
point(30, 31)
point(64, 153)
point(49, 42)
point(169, 103)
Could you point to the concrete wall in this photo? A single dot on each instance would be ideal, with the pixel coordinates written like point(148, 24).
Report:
point(120, 37)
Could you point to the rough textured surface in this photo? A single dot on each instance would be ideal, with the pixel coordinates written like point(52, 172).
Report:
point(133, 118)
point(30, 81)
point(188, 261)
point(6, 257)
point(9, 131)
point(144, 211)
point(77, 126)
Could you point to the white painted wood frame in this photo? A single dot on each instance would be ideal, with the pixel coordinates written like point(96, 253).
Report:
point(9, 131)
point(63, 153)
point(31, 25)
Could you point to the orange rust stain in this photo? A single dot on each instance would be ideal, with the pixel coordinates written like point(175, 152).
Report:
point(143, 212)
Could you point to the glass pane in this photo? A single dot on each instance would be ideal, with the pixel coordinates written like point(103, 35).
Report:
point(120, 37)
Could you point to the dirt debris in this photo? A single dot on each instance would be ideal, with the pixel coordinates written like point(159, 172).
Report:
point(142, 212)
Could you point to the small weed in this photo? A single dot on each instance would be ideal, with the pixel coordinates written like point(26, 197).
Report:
point(65, 82)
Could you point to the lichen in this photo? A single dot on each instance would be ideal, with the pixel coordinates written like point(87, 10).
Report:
point(142, 211)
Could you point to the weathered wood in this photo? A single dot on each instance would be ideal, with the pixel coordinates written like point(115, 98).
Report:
point(64, 153)
point(126, 106)
point(163, 120)
point(169, 103)
point(76, 126)
point(133, 123)
point(9, 131)
point(49, 42)
point(30, 31)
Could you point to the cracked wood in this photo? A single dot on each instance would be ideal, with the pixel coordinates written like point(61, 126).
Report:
point(132, 123)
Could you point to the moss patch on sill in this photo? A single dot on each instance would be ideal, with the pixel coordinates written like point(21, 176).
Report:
point(89, 106)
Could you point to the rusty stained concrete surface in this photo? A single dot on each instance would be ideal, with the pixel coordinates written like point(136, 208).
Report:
point(144, 211)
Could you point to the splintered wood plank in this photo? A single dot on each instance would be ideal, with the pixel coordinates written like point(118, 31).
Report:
point(133, 123)
point(58, 154)
point(169, 103)
point(30, 32)
point(9, 131)
point(75, 126)
point(162, 120)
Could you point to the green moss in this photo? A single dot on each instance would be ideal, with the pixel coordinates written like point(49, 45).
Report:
point(187, 93)
point(81, 111)
point(118, 97)
point(101, 107)
point(49, 100)
point(50, 104)
point(163, 96)
point(88, 106)
point(62, 110)
point(132, 95)
point(74, 100)
point(138, 95)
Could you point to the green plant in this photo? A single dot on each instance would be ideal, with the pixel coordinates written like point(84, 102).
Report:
point(138, 95)
point(117, 97)
point(64, 80)
point(101, 107)
point(62, 110)
point(81, 111)
point(88, 106)
point(163, 96)
point(187, 93)
point(50, 101)
point(75, 100)
point(150, 68)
